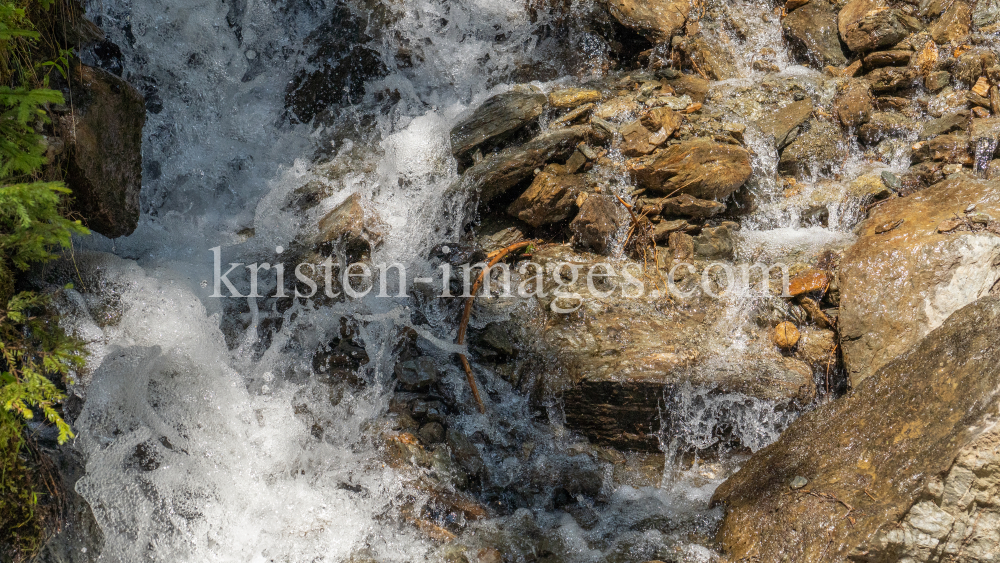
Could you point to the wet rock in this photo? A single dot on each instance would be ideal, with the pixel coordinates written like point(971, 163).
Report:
point(945, 148)
point(878, 29)
point(681, 246)
point(712, 57)
point(816, 347)
point(853, 105)
point(573, 97)
point(688, 206)
point(818, 151)
point(786, 335)
point(899, 285)
point(808, 281)
point(985, 129)
point(497, 119)
point(785, 124)
point(885, 125)
point(635, 140)
point(812, 31)
point(662, 230)
point(853, 12)
point(703, 169)
point(661, 118)
point(957, 121)
point(930, 405)
point(600, 217)
point(499, 172)
point(659, 20)
point(431, 433)
point(986, 13)
point(550, 198)
point(465, 452)
point(104, 147)
point(954, 24)
point(354, 225)
point(715, 243)
point(937, 80)
point(888, 79)
point(888, 58)
point(418, 373)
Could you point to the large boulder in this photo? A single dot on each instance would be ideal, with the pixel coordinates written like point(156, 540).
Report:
point(868, 458)
point(659, 20)
point(903, 277)
point(812, 29)
point(700, 168)
point(495, 120)
point(105, 151)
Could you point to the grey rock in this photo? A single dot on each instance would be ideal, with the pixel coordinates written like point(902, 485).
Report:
point(465, 452)
point(421, 372)
point(949, 123)
point(498, 118)
point(431, 433)
point(785, 124)
point(818, 151)
point(798, 482)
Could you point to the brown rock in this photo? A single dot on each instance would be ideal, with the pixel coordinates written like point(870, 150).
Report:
point(955, 149)
point(495, 120)
point(786, 335)
point(792, 5)
point(104, 144)
point(925, 60)
point(888, 79)
point(689, 206)
point(617, 107)
point(573, 97)
point(808, 282)
point(550, 198)
point(888, 58)
point(954, 24)
point(661, 118)
point(853, 105)
point(812, 31)
point(712, 57)
point(937, 80)
point(982, 87)
point(353, 224)
point(699, 168)
point(600, 218)
point(820, 150)
point(870, 456)
point(816, 347)
point(785, 124)
point(899, 285)
point(662, 230)
point(878, 29)
point(681, 246)
point(692, 85)
point(885, 125)
point(659, 20)
point(635, 140)
point(855, 11)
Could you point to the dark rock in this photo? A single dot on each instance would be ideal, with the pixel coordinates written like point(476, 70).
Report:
point(785, 124)
point(812, 30)
point(662, 230)
point(104, 136)
point(499, 172)
point(465, 453)
point(928, 404)
point(550, 198)
point(496, 120)
point(597, 223)
point(820, 150)
point(937, 80)
point(699, 168)
point(418, 373)
point(431, 433)
point(853, 105)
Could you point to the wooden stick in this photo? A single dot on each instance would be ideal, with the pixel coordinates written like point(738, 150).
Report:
point(467, 312)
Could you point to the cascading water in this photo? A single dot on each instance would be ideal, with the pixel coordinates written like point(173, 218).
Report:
point(206, 441)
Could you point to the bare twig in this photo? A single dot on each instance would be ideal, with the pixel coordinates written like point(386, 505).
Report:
point(467, 313)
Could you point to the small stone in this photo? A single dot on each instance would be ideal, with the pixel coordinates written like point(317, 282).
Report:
point(421, 372)
point(658, 138)
point(809, 281)
point(982, 87)
point(980, 112)
point(970, 208)
point(573, 97)
point(949, 225)
point(431, 433)
point(937, 80)
point(798, 482)
point(786, 335)
point(891, 181)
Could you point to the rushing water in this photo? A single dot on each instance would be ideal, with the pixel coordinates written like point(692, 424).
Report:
point(208, 435)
